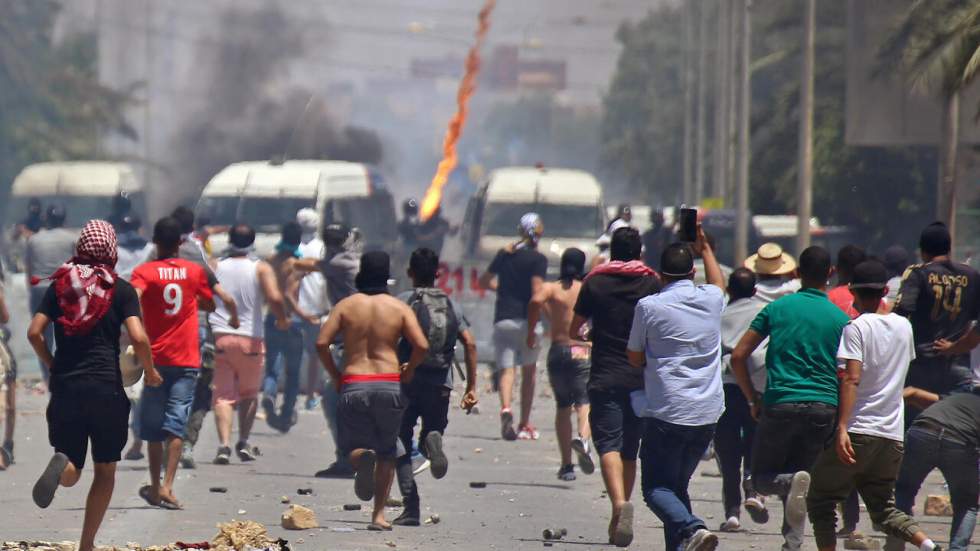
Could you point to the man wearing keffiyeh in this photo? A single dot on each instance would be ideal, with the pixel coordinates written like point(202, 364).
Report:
point(88, 304)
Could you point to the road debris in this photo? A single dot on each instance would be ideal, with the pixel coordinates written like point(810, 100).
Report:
point(297, 517)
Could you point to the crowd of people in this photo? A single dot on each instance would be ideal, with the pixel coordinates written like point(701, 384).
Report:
point(817, 395)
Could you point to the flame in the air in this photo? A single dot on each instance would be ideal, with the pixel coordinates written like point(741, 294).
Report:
point(433, 195)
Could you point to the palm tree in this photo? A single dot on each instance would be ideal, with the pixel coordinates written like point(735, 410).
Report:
point(936, 46)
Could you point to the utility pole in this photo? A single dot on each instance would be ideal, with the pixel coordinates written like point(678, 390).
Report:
point(744, 149)
point(688, 195)
point(722, 96)
point(804, 195)
point(699, 138)
point(147, 115)
point(731, 138)
point(949, 144)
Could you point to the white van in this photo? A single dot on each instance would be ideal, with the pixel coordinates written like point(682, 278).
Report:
point(568, 201)
point(85, 188)
point(266, 195)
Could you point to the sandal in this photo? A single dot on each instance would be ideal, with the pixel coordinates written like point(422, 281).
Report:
point(374, 527)
point(145, 492)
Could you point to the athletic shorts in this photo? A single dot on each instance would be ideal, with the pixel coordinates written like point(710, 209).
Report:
point(96, 412)
point(568, 372)
point(510, 345)
point(164, 409)
point(615, 427)
point(238, 365)
point(369, 416)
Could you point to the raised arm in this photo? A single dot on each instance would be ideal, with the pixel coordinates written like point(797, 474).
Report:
point(712, 271)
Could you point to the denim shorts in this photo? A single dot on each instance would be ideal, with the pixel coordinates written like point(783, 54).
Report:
point(164, 409)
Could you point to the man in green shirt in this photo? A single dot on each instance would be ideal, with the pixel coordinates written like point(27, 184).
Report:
point(796, 414)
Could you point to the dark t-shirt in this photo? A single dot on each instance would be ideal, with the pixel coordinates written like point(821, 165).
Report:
point(959, 414)
point(609, 300)
point(941, 299)
point(95, 356)
point(514, 272)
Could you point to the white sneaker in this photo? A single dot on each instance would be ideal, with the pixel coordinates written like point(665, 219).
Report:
point(702, 540)
point(584, 452)
point(731, 525)
point(796, 501)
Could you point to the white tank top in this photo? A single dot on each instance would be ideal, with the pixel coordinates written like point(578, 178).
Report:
point(239, 277)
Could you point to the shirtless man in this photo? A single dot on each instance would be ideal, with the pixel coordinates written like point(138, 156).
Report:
point(568, 361)
point(287, 343)
point(371, 323)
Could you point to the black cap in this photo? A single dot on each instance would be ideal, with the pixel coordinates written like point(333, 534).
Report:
point(572, 264)
point(335, 235)
point(870, 274)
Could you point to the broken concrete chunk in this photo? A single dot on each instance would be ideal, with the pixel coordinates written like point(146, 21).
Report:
point(938, 506)
point(298, 517)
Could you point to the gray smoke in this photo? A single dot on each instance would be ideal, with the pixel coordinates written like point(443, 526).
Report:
point(250, 117)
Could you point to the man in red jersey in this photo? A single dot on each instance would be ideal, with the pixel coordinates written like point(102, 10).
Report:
point(171, 291)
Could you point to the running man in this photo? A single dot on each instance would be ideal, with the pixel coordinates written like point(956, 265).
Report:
point(568, 361)
point(443, 323)
point(796, 412)
point(171, 291)
point(607, 298)
point(516, 274)
point(88, 403)
point(240, 348)
point(874, 355)
point(369, 415)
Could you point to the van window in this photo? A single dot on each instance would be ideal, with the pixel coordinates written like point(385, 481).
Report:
point(79, 208)
point(268, 214)
point(221, 211)
point(576, 221)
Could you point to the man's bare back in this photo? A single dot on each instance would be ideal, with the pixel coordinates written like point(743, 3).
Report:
point(557, 301)
point(283, 267)
point(371, 326)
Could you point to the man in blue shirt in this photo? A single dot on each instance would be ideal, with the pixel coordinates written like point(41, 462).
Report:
point(676, 340)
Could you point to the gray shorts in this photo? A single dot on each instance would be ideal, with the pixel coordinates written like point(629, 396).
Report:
point(369, 416)
point(510, 345)
point(568, 373)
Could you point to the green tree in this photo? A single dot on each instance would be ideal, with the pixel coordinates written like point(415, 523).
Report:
point(52, 106)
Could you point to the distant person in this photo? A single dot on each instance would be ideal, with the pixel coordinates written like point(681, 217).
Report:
point(8, 382)
point(369, 415)
point(656, 239)
point(283, 344)
point(133, 248)
point(171, 291)
point(624, 215)
point(34, 221)
point(874, 355)
point(408, 225)
point(88, 405)
point(700, 274)
point(122, 206)
point(46, 251)
point(896, 260)
point(941, 298)
point(239, 351)
point(443, 323)
point(607, 299)
point(431, 234)
point(797, 410)
point(310, 292)
point(568, 361)
point(775, 270)
point(516, 274)
point(736, 427)
point(848, 257)
point(675, 340)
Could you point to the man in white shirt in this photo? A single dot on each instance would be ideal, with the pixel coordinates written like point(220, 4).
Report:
point(874, 356)
point(676, 340)
point(310, 292)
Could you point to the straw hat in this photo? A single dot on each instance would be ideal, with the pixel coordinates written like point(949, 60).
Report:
point(131, 370)
point(771, 260)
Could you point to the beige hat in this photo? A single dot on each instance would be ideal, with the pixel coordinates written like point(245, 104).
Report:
point(771, 260)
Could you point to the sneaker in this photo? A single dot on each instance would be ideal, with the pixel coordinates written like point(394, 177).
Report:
point(337, 470)
point(731, 525)
point(581, 448)
point(756, 508)
point(507, 425)
point(433, 448)
point(419, 463)
point(223, 457)
point(269, 409)
point(702, 540)
point(312, 404)
point(187, 457)
point(857, 540)
point(409, 517)
point(246, 452)
point(796, 501)
point(567, 473)
point(133, 455)
point(527, 432)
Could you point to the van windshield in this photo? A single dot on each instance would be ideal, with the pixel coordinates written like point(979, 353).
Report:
point(78, 208)
point(578, 221)
point(220, 211)
point(268, 214)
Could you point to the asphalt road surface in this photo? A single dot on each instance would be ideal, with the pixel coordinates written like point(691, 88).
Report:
point(522, 496)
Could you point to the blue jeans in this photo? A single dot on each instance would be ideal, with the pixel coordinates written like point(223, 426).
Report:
point(164, 409)
point(668, 457)
point(289, 345)
point(927, 449)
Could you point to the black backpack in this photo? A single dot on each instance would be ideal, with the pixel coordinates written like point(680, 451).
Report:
point(438, 319)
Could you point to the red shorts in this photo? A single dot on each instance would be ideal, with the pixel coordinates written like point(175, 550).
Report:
point(238, 364)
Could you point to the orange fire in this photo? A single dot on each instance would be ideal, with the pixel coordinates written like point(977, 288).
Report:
point(433, 195)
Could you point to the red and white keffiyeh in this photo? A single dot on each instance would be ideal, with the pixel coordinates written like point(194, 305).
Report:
point(86, 283)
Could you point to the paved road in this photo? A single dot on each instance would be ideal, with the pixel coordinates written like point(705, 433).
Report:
point(522, 496)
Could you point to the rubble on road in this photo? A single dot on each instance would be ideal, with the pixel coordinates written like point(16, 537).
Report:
point(938, 506)
point(298, 517)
